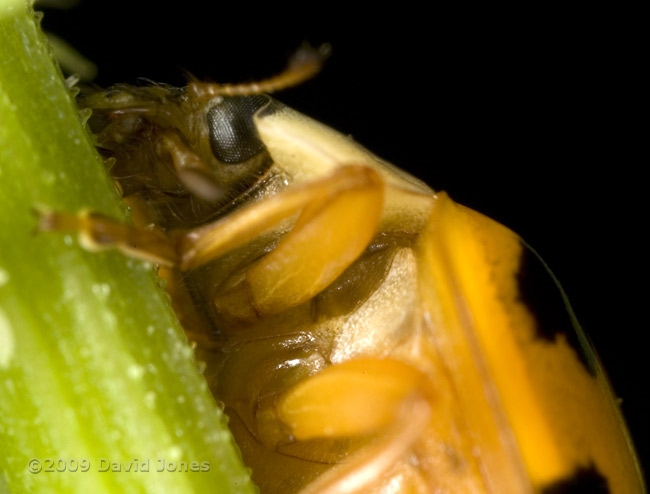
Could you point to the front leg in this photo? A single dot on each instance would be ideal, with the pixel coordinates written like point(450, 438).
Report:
point(337, 217)
point(99, 232)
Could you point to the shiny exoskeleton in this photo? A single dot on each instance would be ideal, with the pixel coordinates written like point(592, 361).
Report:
point(364, 333)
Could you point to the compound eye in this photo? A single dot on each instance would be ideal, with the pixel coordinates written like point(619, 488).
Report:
point(233, 137)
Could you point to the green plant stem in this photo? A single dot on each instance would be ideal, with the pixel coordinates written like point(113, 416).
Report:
point(94, 366)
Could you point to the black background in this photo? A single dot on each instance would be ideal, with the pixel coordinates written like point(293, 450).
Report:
point(529, 116)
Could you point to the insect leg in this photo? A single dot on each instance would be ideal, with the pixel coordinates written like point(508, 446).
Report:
point(191, 169)
point(98, 232)
point(338, 216)
point(362, 397)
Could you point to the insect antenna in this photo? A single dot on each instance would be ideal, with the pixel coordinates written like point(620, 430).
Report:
point(303, 65)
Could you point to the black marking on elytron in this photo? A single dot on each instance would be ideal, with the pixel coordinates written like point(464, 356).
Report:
point(543, 297)
point(584, 481)
point(233, 137)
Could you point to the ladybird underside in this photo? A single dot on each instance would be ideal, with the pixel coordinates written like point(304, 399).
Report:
point(333, 356)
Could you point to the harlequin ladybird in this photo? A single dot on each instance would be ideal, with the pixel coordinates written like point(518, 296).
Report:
point(365, 333)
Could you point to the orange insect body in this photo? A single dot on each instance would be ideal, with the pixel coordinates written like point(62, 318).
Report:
point(364, 333)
